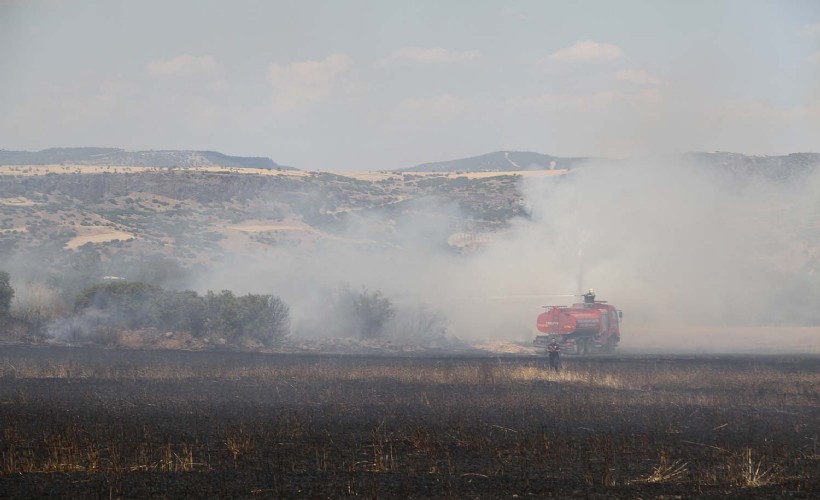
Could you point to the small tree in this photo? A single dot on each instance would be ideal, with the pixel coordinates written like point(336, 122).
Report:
point(420, 324)
point(125, 303)
point(6, 293)
point(259, 317)
point(265, 318)
point(182, 311)
point(368, 312)
point(222, 315)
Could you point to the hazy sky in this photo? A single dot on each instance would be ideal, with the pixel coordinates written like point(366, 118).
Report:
point(389, 84)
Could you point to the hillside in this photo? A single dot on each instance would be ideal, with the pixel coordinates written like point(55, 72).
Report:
point(122, 158)
point(193, 217)
point(501, 161)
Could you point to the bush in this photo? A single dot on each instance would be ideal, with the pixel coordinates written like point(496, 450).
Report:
point(182, 312)
point(222, 315)
point(125, 304)
point(422, 325)
point(365, 312)
point(264, 318)
point(6, 293)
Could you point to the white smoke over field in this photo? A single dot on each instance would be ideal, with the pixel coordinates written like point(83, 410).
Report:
point(686, 244)
point(670, 243)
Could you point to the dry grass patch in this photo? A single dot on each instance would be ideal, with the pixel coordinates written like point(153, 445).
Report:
point(263, 226)
point(96, 234)
point(18, 201)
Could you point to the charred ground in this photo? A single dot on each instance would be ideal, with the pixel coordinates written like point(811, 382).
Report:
point(86, 422)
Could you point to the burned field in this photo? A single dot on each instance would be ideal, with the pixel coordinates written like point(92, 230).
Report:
point(88, 422)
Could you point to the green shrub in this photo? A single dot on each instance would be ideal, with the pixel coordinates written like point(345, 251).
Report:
point(6, 293)
point(366, 312)
point(132, 305)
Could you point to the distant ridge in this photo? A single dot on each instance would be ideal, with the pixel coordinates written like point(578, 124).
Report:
point(780, 167)
point(776, 167)
point(500, 161)
point(122, 158)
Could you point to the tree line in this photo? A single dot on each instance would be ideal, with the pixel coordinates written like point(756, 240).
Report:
point(224, 315)
point(102, 311)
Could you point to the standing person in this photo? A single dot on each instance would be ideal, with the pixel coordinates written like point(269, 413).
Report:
point(555, 355)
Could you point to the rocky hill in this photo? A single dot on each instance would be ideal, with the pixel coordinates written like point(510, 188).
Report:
point(122, 158)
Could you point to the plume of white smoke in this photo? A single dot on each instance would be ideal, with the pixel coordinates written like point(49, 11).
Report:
point(677, 245)
point(669, 242)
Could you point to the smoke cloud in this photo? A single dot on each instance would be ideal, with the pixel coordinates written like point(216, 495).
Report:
point(685, 248)
point(680, 247)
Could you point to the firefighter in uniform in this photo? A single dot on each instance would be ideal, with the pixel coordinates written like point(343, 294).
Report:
point(554, 351)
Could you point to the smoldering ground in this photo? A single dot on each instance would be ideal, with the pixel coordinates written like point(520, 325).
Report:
point(681, 247)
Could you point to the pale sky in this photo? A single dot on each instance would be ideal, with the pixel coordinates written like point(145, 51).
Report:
point(360, 85)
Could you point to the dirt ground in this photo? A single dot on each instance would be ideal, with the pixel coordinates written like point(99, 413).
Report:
point(85, 422)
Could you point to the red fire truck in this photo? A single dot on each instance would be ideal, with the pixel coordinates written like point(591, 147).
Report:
point(582, 328)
